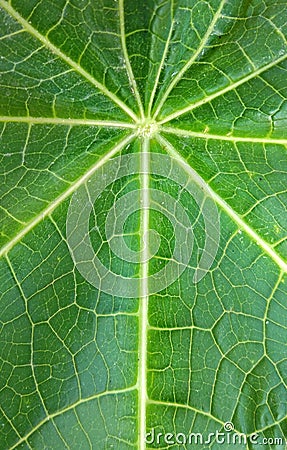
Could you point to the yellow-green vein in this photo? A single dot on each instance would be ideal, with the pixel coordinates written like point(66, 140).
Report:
point(180, 74)
point(46, 212)
point(226, 207)
point(45, 41)
point(144, 293)
point(229, 138)
point(228, 88)
point(162, 61)
point(70, 122)
point(127, 60)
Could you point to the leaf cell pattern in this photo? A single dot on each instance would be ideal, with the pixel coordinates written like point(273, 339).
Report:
point(204, 84)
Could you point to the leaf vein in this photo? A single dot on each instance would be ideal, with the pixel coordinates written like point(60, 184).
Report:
point(228, 88)
point(46, 212)
point(48, 44)
point(227, 208)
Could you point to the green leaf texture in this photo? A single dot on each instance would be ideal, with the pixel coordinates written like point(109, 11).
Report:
point(202, 85)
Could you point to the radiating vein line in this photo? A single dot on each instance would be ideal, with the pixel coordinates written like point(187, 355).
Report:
point(162, 61)
point(69, 408)
point(70, 122)
point(228, 88)
point(210, 416)
point(127, 59)
point(65, 194)
point(226, 208)
point(184, 406)
point(45, 41)
point(187, 133)
point(143, 311)
point(180, 74)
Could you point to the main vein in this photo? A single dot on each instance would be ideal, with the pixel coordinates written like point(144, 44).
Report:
point(144, 294)
point(68, 408)
point(203, 43)
point(225, 207)
point(45, 41)
point(166, 47)
point(61, 121)
point(228, 88)
point(127, 60)
point(230, 138)
point(4, 250)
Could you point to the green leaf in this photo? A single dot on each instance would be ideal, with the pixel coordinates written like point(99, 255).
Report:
point(143, 224)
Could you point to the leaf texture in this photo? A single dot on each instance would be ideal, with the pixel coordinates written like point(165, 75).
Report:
point(175, 110)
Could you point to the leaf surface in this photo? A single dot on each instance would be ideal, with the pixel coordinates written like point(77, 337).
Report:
point(149, 136)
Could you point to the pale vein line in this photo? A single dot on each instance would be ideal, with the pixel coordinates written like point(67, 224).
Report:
point(83, 430)
point(26, 143)
point(27, 26)
point(162, 61)
point(187, 133)
point(270, 425)
point(227, 208)
point(184, 406)
point(180, 74)
point(126, 57)
point(2, 38)
point(71, 122)
point(265, 318)
point(69, 408)
point(208, 415)
point(143, 311)
point(65, 194)
point(18, 284)
point(9, 421)
point(230, 87)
